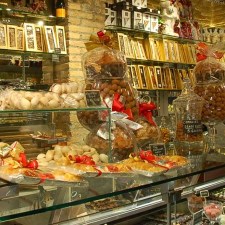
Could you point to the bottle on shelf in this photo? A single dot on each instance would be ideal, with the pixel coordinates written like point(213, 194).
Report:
point(60, 9)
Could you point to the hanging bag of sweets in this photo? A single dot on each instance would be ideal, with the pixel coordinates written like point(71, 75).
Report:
point(209, 84)
point(149, 133)
point(105, 70)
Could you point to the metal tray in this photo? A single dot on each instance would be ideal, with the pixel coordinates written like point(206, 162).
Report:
point(25, 180)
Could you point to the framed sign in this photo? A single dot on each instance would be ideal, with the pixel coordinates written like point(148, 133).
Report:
point(61, 39)
point(50, 39)
point(20, 38)
point(157, 149)
point(11, 36)
point(135, 77)
point(121, 43)
point(3, 37)
point(39, 38)
point(93, 98)
point(30, 37)
point(152, 77)
point(158, 73)
point(142, 77)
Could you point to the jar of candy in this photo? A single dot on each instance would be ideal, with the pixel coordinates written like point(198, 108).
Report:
point(188, 110)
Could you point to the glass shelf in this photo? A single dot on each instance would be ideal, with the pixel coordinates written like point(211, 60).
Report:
point(151, 34)
point(159, 89)
point(8, 53)
point(129, 185)
point(21, 14)
point(179, 65)
point(55, 110)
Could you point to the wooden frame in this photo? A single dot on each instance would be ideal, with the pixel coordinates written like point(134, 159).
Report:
point(121, 43)
point(165, 83)
point(50, 39)
point(20, 38)
point(166, 50)
point(152, 77)
point(135, 77)
point(127, 45)
point(3, 37)
point(30, 37)
point(141, 49)
point(191, 76)
point(39, 38)
point(130, 76)
point(142, 77)
point(11, 37)
point(158, 73)
point(173, 78)
point(61, 39)
point(133, 44)
point(137, 49)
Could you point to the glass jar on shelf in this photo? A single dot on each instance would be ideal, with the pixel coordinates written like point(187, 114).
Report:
point(189, 135)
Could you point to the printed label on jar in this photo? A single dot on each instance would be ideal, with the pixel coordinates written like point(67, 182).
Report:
point(192, 126)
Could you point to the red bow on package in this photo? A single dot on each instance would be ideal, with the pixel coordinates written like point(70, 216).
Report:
point(32, 164)
point(205, 51)
point(118, 106)
point(145, 109)
point(103, 37)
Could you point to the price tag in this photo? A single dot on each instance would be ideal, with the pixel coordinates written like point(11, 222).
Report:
point(192, 126)
point(197, 217)
point(157, 149)
point(204, 193)
point(55, 58)
point(93, 98)
point(57, 50)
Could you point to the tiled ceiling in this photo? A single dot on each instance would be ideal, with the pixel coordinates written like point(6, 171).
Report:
point(210, 13)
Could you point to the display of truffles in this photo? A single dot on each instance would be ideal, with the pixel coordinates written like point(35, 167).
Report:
point(108, 88)
point(214, 104)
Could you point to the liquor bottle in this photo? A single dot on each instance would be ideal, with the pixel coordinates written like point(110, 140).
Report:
point(60, 9)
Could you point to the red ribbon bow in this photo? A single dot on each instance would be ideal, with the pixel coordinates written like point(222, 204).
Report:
point(204, 51)
point(118, 106)
point(32, 164)
point(103, 37)
point(145, 109)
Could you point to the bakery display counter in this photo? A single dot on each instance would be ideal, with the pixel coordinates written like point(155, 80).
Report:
point(103, 198)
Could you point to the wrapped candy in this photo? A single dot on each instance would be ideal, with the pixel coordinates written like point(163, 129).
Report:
point(149, 133)
point(123, 141)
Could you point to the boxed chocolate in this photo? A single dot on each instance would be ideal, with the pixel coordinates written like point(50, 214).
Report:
point(110, 16)
point(147, 22)
point(154, 24)
point(137, 20)
point(126, 18)
point(136, 3)
point(107, 16)
point(143, 4)
point(113, 17)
